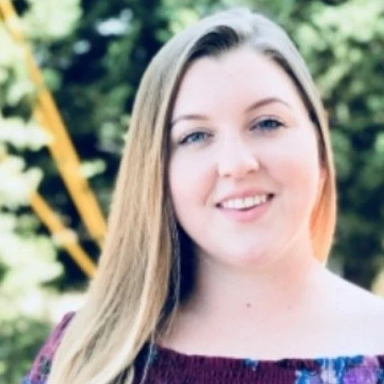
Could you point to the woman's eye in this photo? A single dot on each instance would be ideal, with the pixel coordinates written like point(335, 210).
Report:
point(193, 138)
point(268, 124)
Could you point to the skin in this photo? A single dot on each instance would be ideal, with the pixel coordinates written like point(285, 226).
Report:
point(239, 127)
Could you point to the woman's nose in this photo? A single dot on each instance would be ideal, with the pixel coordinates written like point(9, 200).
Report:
point(236, 159)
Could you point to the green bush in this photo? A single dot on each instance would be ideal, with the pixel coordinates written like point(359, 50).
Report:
point(20, 340)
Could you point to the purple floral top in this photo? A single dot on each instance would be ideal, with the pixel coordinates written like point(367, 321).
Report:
point(169, 367)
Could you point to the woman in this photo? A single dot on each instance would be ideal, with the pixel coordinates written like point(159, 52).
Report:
point(222, 220)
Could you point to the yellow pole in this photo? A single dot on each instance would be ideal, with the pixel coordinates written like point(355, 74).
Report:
point(65, 236)
point(61, 146)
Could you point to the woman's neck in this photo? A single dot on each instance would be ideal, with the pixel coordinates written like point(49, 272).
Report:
point(222, 291)
point(234, 309)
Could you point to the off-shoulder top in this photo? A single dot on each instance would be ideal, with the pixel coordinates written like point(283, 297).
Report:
point(166, 366)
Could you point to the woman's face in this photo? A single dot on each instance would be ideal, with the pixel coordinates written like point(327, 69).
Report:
point(244, 171)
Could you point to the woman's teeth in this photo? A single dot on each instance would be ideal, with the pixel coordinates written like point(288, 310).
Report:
point(245, 203)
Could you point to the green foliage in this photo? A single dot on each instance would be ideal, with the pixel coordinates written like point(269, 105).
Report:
point(28, 257)
point(48, 21)
point(20, 339)
point(27, 262)
point(15, 84)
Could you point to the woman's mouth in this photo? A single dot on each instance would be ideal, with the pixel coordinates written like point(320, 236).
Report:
point(246, 209)
point(246, 202)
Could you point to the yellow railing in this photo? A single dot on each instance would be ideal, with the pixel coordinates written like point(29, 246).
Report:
point(64, 236)
point(62, 151)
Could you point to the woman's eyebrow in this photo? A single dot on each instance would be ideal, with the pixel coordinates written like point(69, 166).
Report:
point(190, 116)
point(253, 106)
point(266, 101)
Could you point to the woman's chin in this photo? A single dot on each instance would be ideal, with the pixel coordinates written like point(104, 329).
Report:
point(246, 260)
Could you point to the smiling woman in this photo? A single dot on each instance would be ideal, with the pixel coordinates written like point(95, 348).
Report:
point(222, 221)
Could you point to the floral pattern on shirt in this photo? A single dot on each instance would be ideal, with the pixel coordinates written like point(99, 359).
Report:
point(42, 364)
point(343, 370)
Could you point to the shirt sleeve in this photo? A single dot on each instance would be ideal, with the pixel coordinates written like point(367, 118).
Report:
point(41, 366)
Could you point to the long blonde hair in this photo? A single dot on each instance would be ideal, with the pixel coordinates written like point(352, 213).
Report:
point(137, 283)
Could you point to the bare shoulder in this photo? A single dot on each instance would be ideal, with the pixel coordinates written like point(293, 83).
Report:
point(357, 315)
point(362, 298)
point(363, 306)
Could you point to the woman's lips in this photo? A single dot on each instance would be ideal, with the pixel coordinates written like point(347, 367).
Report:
point(244, 215)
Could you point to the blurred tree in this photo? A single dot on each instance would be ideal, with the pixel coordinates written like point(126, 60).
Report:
point(19, 341)
point(27, 255)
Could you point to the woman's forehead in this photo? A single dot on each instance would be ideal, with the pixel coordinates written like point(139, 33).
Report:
point(242, 76)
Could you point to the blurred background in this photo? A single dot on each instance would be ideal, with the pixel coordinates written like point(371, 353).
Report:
point(69, 70)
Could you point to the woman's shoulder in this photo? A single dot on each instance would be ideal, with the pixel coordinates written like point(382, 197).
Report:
point(359, 314)
point(358, 299)
point(42, 363)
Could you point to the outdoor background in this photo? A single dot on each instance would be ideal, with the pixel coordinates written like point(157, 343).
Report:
point(91, 54)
